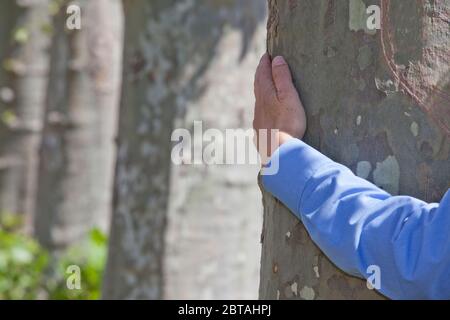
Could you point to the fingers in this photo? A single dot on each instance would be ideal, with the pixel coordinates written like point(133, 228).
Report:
point(282, 78)
point(264, 86)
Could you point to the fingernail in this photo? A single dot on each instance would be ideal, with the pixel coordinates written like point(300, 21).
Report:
point(278, 61)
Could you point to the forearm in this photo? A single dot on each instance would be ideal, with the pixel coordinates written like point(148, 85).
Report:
point(357, 224)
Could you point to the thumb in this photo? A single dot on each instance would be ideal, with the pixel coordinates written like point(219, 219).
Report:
point(282, 78)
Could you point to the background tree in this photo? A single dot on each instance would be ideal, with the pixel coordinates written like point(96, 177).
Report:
point(168, 47)
point(26, 65)
point(9, 14)
point(77, 151)
point(215, 209)
point(377, 101)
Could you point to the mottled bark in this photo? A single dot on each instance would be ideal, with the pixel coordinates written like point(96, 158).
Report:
point(168, 46)
point(27, 72)
point(377, 102)
point(77, 151)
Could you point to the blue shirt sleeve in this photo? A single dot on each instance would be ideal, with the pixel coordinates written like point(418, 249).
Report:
point(358, 225)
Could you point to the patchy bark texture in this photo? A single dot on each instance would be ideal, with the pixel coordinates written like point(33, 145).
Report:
point(77, 148)
point(26, 64)
point(378, 102)
point(168, 46)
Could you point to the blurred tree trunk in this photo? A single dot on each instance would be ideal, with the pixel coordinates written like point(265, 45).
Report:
point(143, 161)
point(377, 101)
point(77, 151)
point(168, 46)
point(26, 66)
point(215, 219)
point(8, 18)
point(9, 13)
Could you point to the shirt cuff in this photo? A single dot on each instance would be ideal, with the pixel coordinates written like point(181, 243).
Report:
point(297, 164)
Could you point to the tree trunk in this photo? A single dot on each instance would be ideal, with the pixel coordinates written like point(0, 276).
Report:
point(77, 151)
point(27, 72)
point(168, 46)
point(377, 101)
point(8, 19)
point(9, 13)
point(215, 210)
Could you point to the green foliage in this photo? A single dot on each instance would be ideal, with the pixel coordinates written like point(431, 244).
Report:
point(21, 35)
point(10, 222)
point(8, 118)
point(22, 263)
point(90, 256)
point(27, 271)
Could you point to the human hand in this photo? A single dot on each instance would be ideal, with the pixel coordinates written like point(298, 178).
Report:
point(278, 108)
